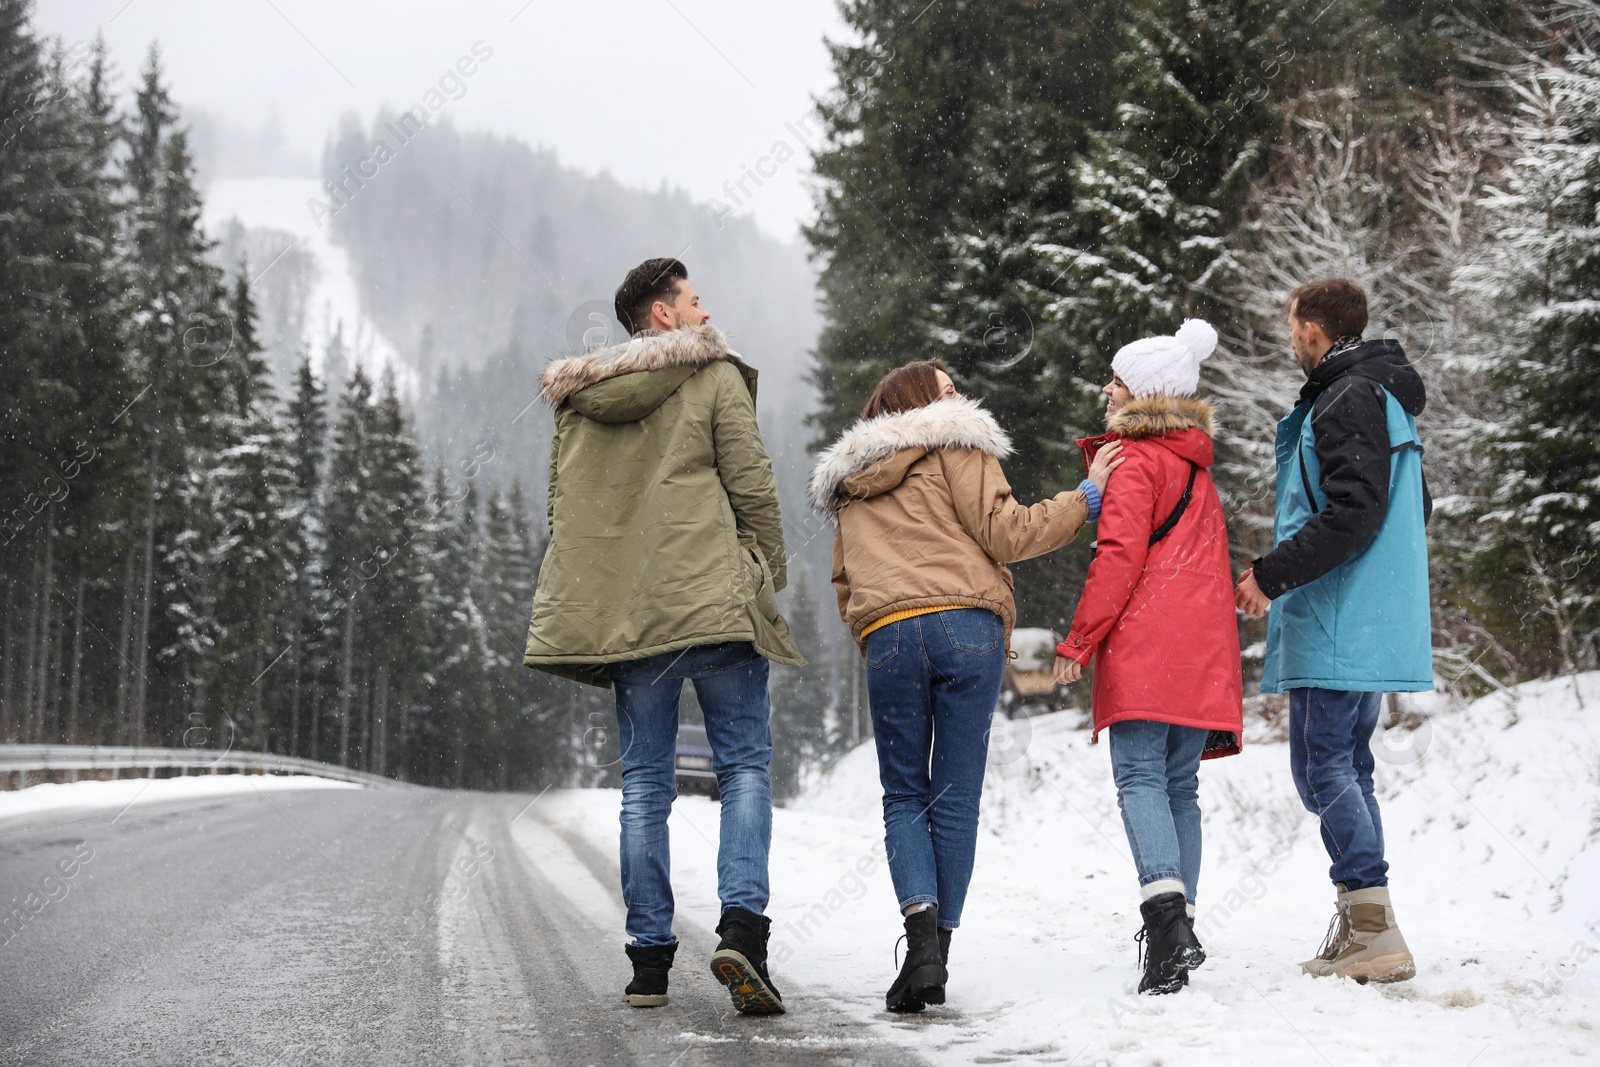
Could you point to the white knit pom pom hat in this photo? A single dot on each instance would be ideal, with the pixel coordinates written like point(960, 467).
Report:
point(1166, 366)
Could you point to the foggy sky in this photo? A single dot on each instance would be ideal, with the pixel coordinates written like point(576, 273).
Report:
point(690, 92)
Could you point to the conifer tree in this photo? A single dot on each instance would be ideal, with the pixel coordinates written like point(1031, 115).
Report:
point(304, 552)
point(64, 376)
point(183, 332)
point(509, 574)
point(1541, 564)
point(507, 583)
point(398, 639)
point(458, 647)
point(913, 139)
point(354, 536)
point(250, 557)
point(800, 696)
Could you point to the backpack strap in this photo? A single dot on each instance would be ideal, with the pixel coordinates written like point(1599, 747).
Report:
point(1177, 512)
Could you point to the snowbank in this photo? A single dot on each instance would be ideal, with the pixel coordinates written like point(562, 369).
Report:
point(126, 791)
point(1493, 817)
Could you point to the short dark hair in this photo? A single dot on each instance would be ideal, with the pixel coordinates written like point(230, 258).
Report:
point(1338, 305)
point(914, 385)
point(652, 280)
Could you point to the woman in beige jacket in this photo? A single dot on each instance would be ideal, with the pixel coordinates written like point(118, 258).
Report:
point(926, 525)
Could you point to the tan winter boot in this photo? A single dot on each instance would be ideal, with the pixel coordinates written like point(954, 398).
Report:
point(1376, 951)
point(1336, 941)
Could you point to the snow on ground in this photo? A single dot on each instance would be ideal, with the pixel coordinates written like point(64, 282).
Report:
point(280, 204)
point(127, 791)
point(1492, 814)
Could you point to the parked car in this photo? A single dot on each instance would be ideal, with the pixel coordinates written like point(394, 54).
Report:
point(1030, 678)
point(693, 763)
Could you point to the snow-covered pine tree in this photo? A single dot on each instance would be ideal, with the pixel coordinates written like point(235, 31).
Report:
point(182, 332)
point(397, 641)
point(994, 321)
point(306, 600)
point(801, 696)
point(544, 733)
point(509, 573)
point(355, 529)
point(1540, 563)
point(1156, 193)
point(917, 173)
point(253, 481)
point(458, 642)
point(65, 377)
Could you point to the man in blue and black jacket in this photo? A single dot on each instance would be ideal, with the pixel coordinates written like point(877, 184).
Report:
point(1347, 585)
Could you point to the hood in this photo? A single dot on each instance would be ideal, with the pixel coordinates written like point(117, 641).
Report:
point(872, 457)
point(626, 382)
point(1383, 361)
point(1183, 425)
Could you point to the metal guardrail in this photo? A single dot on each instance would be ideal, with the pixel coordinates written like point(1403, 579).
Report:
point(17, 762)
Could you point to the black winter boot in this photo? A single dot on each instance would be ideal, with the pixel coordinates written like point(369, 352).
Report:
point(650, 966)
point(922, 976)
point(740, 963)
point(1170, 947)
point(935, 995)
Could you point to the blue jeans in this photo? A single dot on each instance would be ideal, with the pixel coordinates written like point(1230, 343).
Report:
point(933, 682)
point(1157, 769)
point(730, 680)
point(1330, 756)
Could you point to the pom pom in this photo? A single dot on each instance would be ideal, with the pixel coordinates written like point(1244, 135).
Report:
point(1199, 337)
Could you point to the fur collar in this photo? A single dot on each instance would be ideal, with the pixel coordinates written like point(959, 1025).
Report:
point(1156, 415)
point(954, 423)
point(694, 346)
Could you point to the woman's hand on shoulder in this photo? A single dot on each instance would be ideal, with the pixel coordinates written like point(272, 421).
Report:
point(1108, 459)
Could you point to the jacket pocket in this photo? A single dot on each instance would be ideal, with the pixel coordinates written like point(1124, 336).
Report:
point(1306, 631)
point(973, 630)
point(766, 595)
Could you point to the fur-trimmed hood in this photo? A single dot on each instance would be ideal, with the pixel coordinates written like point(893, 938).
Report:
point(1184, 425)
point(873, 455)
point(1156, 415)
point(690, 348)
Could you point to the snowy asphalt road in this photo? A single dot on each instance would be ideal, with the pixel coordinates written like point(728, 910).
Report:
point(388, 926)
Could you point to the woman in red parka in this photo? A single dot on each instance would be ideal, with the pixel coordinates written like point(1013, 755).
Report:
point(1157, 618)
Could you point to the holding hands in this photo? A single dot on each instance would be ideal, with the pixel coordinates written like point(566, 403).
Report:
point(1248, 597)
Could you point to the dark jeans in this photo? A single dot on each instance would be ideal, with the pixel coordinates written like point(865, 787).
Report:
point(1330, 756)
point(932, 682)
point(730, 681)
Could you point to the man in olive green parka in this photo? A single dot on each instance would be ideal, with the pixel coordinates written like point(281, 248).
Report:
point(665, 559)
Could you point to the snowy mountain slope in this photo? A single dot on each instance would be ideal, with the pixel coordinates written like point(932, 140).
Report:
point(280, 204)
point(1493, 818)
